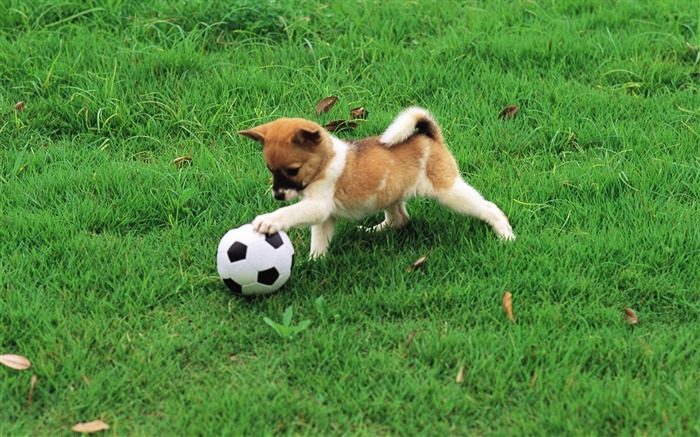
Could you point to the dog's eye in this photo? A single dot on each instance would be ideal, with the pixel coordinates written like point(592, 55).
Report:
point(291, 171)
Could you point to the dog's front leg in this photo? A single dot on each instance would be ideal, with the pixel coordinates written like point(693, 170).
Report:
point(302, 214)
point(321, 236)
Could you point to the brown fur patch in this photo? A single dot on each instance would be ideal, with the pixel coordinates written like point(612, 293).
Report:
point(442, 170)
point(372, 169)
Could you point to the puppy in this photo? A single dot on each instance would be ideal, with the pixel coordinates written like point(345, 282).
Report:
point(337, 179)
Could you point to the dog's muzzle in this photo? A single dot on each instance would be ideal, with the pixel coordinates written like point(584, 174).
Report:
point(283, 188)
point(284, 194)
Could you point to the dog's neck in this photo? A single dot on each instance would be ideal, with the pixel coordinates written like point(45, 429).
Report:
point(332, 165)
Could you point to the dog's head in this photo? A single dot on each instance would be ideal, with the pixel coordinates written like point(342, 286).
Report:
point(295, 152)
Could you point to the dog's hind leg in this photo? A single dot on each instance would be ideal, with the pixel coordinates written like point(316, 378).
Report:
point(464, 199)
point(395, 216)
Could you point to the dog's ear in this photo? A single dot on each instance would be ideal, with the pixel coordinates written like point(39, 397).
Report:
point(254, 134)
point(307, 137)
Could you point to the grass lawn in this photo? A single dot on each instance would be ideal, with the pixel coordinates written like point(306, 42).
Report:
point(107, 248)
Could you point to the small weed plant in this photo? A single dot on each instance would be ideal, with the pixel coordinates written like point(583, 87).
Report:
point(286, 330)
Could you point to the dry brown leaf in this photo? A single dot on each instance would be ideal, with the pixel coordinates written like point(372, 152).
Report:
point(20, 106)
point(420, 262)
point(508, 305)
point(508, 112)
point(90, 427)
point(631, 316)
point(360, 112)
point(326, 104)
point(409, 340)
point(17, 362)
point(340, 125)
point(182, 160)
point(32, 384)
point(460, 375)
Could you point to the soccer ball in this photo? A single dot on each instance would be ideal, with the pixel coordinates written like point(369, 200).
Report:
point(250, 263)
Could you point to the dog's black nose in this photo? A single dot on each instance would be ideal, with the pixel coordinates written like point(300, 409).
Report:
point(279, 195)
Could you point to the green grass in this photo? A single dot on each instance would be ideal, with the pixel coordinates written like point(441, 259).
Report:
point(107, 249)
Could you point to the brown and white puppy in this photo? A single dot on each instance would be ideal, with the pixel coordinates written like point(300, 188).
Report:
point(351, 180)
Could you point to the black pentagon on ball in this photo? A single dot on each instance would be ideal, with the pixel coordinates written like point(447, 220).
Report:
point(237, 252)
point(233, 286)
point(269, 276)
point(274, 240)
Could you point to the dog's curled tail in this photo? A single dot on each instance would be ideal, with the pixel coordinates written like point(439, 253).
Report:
point(411, 121)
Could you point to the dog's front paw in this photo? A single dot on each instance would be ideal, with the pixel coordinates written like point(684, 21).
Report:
point(268, 224)
point(317, 254)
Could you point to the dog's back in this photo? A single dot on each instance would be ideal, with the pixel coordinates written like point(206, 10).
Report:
point(409, 159)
